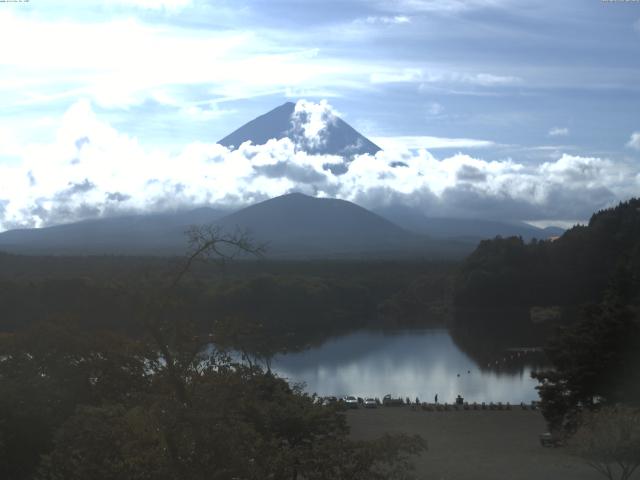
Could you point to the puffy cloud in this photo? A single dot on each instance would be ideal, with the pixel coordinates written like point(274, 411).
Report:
point(310, 122)
point(470, 173)
point(75, 189)
point(634, 141)
point(91, 169)
point(558, 132)
point(117, 197)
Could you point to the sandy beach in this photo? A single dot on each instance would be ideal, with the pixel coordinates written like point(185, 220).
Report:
point(475, 445)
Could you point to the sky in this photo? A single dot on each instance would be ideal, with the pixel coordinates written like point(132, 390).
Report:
point(497, 109)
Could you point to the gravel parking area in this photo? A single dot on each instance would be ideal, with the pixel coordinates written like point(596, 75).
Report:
point(475, 444)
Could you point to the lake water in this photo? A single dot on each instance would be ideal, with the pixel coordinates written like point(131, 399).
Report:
point(407, 363)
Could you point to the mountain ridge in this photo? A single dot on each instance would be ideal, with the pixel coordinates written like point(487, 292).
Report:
point(466, 229)
point(293, 225)
point(127, 234)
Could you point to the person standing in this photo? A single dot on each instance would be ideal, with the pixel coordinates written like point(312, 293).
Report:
point(436, 400)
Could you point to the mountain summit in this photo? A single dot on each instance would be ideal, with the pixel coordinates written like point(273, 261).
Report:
point(314, 128)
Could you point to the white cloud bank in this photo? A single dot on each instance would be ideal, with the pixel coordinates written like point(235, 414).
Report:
point(93, 170)
point(558, 132)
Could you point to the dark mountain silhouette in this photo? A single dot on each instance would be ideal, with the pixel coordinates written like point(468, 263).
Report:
point(161, 233)
point(292, 226)
point(470, 230)
point(299, 222)
point(300, 225)
point(339, 138)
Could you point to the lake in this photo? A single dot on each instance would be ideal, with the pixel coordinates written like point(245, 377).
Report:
point(412, 363)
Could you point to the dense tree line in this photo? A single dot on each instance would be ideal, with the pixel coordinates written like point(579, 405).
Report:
point(291, 304)
point(573, 269)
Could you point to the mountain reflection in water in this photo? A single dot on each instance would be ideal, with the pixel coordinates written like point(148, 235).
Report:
point(411, 364)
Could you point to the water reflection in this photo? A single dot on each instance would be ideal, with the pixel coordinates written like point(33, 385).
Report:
point(407, 363)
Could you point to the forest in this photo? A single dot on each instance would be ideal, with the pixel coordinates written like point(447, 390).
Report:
point(573, 269)
point(588, 283)
point(107, 370)
point(292, 302)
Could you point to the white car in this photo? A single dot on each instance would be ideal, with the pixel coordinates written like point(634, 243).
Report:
point(350, 402)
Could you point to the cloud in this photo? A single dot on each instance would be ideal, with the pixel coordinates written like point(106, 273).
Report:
point(634, 141)
point(430, 143)
point(437, 75)
point(203, 111)
point(470, 173)
point(9, 147)
point(387, 20)
point(558, 132)
point(487, 79)
point(155, 4)
point(75, 189)
point(101, 61)
point(434, 109)
point(403, 76)
point(310, 122)
point(117, 197)
point(439, 6)
point(114, 175)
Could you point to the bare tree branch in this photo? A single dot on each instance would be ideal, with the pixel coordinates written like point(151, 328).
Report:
point(208, 241)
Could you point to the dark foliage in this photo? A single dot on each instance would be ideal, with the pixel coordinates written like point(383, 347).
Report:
point(79, 405)
point(592, 273)
point(81, 402)
point(594, 363)
point(289, 304)
point(574, 269)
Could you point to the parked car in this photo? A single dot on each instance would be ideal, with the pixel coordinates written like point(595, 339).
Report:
point(550, 440)
point(350, 402)
point(370, 403)
point(389, 401)
point(329, 401)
